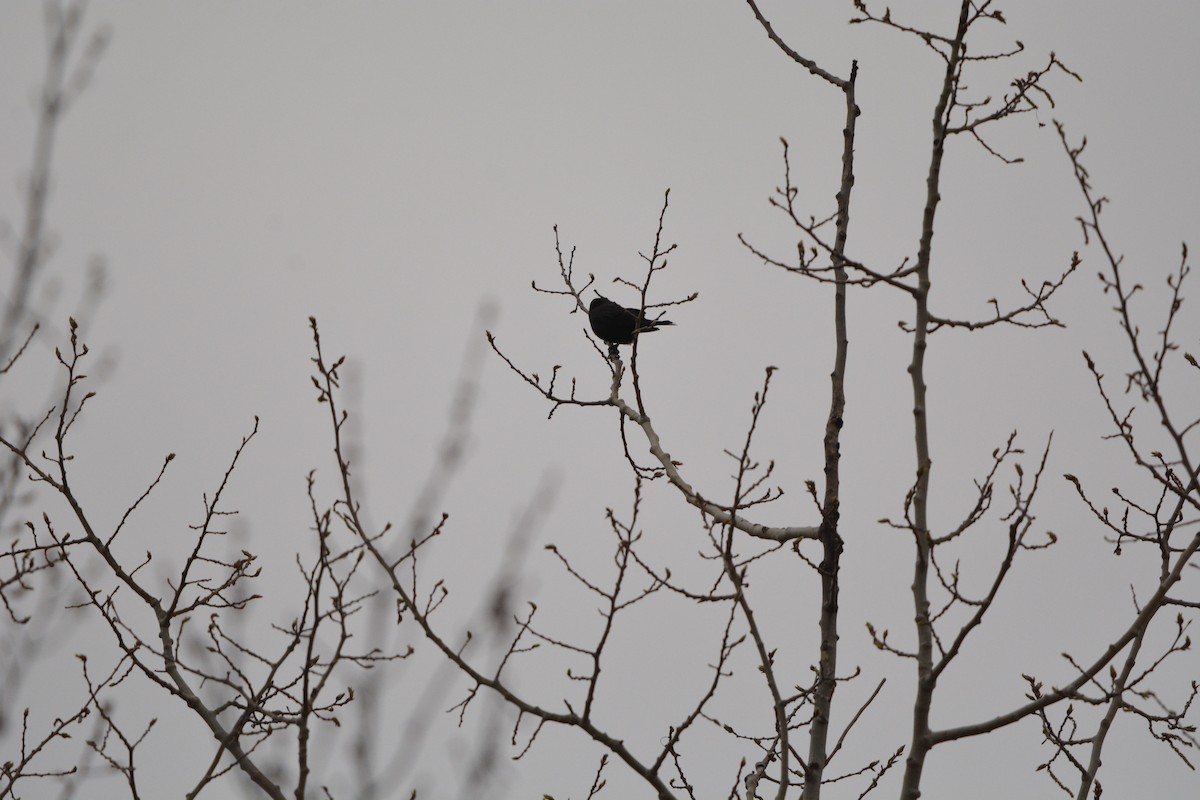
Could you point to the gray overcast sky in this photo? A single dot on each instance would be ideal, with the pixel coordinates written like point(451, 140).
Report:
point(389, 167)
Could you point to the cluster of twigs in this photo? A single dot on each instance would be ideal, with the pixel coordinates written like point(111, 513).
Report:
point(178, 635)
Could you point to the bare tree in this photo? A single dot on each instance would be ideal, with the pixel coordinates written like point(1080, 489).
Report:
point(946, 612)
point(271, 694)
point(243, 692)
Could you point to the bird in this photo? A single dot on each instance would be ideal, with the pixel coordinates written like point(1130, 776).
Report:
point(617, 324)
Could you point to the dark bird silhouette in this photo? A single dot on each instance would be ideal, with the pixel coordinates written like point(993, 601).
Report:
point(616, 324)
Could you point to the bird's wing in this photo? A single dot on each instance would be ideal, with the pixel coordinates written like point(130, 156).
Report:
point(611, 311)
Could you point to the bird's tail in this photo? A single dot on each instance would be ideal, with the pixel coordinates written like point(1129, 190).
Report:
point(650, 325)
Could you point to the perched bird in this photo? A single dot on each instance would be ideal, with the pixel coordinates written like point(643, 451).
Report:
point(616, 324)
